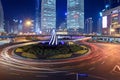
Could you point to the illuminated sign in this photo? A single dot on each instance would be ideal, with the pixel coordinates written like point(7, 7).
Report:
point(104, 21)
point(114, 15)
point(115, 11)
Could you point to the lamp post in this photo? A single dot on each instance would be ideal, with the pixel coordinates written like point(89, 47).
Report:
point(28, 23)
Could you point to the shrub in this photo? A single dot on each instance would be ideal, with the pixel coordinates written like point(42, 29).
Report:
point(29, 55)
point(19, 50)
point(44, 50)
point(60, 56)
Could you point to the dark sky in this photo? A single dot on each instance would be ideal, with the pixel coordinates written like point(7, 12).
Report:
point(22, 9)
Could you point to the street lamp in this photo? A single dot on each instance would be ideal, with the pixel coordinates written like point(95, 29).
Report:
point(28, 23)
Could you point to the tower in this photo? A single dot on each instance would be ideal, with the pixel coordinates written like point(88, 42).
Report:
point(88, 25)
point(37, 17)
point(1, 18)
point(48, 15)
point(75, 15)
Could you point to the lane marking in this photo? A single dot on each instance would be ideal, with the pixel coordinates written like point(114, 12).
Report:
point(103, 62)
point(116, 69)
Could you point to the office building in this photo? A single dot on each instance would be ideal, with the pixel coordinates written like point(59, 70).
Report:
point(111, 21)
point(75, 15)
point(99, 26)
point(37, 17)
point(1, 18)
point(88, 26)
point(48, 15)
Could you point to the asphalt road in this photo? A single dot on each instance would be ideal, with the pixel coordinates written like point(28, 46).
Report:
point(102, 63)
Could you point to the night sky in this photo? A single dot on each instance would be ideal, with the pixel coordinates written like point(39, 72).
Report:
point(24, 9)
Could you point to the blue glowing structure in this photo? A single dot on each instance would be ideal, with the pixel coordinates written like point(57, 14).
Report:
point(53, 40)
point(100, 14)
point(1, 18)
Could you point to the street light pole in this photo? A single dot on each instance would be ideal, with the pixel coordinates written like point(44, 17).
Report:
point(77, 77)
point(110, 30)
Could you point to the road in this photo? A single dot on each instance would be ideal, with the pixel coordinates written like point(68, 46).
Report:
point(102, 63)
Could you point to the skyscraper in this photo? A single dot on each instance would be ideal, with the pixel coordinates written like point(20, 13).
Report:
point(1, 18)
point(75, 15)
point(37, 17)
point(48, 15)
point(99, 26)
point(88, 25)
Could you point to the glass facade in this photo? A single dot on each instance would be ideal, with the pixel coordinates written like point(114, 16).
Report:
point(37, 17)
point(1, 18)
point(48, 15)
point(75, 15)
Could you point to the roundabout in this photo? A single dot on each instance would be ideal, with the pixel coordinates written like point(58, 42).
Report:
point(49, 67)
point(43, 59)
point(41, 66)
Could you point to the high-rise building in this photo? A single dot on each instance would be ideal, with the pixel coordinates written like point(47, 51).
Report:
point(48, 16)
point(111, 21)
point(88, 25)
point(37, 17)
point(75, 15)
point(1, 18)
point(20, 26)
point(99, 26)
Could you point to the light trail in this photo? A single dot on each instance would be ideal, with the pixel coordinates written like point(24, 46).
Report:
point(44, 66)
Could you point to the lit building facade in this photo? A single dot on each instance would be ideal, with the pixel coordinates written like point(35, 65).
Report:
point(75, 15)
point(20, 26)
point(111, 21)
point(37, 17)
point(48, 16)
point(1, 18)
point(88, 26)
point(99, 26)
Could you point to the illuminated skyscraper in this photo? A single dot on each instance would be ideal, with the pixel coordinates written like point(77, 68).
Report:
point(88, 25)
point(37, 17)
point(1, 18)
point(48, 15)
point(75, 15)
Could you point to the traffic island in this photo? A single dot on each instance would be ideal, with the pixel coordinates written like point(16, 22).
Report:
point(44, 51)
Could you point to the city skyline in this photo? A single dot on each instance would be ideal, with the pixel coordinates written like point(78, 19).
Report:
point(59, 40)
point(21, 12)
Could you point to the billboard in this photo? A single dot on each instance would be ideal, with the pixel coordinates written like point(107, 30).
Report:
point(104, 22)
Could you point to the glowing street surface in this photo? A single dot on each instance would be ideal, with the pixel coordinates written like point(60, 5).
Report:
point(101, 63)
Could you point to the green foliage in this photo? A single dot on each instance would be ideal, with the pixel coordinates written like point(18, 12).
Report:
point(45, 50)
point(29, 55)
point(60, 56)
